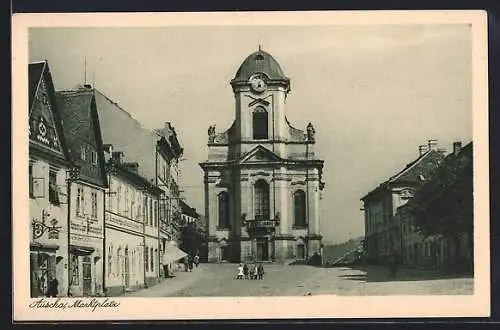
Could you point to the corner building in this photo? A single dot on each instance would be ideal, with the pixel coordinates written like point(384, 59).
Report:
point(262, 179)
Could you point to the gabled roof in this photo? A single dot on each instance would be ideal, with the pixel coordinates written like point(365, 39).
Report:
point(35, 71)
point(259, 154)
point(81, 126)
point(55, 145)
point(413, 172)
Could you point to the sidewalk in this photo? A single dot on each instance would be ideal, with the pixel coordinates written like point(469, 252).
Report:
point(379, 273)
point(171, 285)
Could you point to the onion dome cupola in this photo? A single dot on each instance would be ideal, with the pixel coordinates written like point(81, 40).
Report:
point(260, 63)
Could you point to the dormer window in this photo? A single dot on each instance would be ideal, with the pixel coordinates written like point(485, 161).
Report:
point(93, 157)
point(83, 152)
point(259, 57)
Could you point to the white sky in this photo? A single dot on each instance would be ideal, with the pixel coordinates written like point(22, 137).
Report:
point(374, 93)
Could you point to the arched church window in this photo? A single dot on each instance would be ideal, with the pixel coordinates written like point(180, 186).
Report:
point(223, 210)
point(261, 200)
point(260, 123)
point(299, 204)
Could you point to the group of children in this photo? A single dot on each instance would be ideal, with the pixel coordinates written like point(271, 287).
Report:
point(252, 272)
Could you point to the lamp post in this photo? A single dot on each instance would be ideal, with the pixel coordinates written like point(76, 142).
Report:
point(72, 175)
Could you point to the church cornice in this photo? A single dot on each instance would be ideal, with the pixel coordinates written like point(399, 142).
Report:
point(316, 163)
point(275, 141)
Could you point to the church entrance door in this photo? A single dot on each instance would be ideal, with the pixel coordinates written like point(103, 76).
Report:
point(262, 249)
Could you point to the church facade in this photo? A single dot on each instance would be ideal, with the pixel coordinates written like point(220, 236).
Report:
point(262, 179)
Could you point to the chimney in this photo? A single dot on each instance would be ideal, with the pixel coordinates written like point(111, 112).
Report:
point(117, 157)
point(422, 149)
point(108, 151)
point(457, 146)
point(432, 144)
point(442, 151)
point(133, 166)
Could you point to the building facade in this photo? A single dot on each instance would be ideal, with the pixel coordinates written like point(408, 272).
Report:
point(86, 191)
point(131, 227)
point(49, 168)
point(168, 155)
point(382, 230)
point(158, 153)
point(262, 178)
point(438, 251)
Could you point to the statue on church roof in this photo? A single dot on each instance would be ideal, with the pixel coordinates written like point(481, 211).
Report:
point(310, 132)
point(211, 134)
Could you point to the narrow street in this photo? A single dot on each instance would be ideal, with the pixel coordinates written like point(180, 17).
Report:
point(219, 280)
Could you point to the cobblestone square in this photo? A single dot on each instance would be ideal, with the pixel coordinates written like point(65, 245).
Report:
point(218, 280)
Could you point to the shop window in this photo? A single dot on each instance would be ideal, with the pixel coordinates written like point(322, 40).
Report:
point(110, 260)
point(75, 278)
point(53, 191)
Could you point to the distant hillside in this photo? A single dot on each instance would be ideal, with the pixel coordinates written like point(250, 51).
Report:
point(332, 252)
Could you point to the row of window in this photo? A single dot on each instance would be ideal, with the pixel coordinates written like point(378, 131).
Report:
point(130, 203)
point(261, 205)
point(37, 186)
point(87, 154)
point(123, 262)
point(81, 205)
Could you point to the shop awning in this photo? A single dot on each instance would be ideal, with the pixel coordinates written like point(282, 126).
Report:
point(172, 253)
point(81, 250)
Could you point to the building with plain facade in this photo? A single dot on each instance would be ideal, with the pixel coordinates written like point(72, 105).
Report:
point(86, 191)
point(157, 153)
point(262, 178)
point(131, 227)
point(382, 235)
point(48, 169)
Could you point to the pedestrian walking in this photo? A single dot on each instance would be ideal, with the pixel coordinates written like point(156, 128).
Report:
point(245, 271)
point(394, 265)
point(52, 290)
point(254, 271)
point(240, 272)
point(196, 260)
point(190, 263)
point(186, 264)
point(260, 271)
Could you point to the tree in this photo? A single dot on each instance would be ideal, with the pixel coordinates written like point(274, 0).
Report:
point(444, 203)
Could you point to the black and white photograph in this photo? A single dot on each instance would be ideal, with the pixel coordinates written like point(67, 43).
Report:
point(247, 158)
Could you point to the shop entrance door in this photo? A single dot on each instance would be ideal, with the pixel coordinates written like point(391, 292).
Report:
point(87, 276)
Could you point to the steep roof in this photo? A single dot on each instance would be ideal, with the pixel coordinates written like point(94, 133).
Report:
point(45, 127)
point(34, 75)
point(81, 127)
point(126, 134)
point(413, 172)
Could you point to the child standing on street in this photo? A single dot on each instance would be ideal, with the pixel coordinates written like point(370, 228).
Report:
point(240, 272)
point(260, 271)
